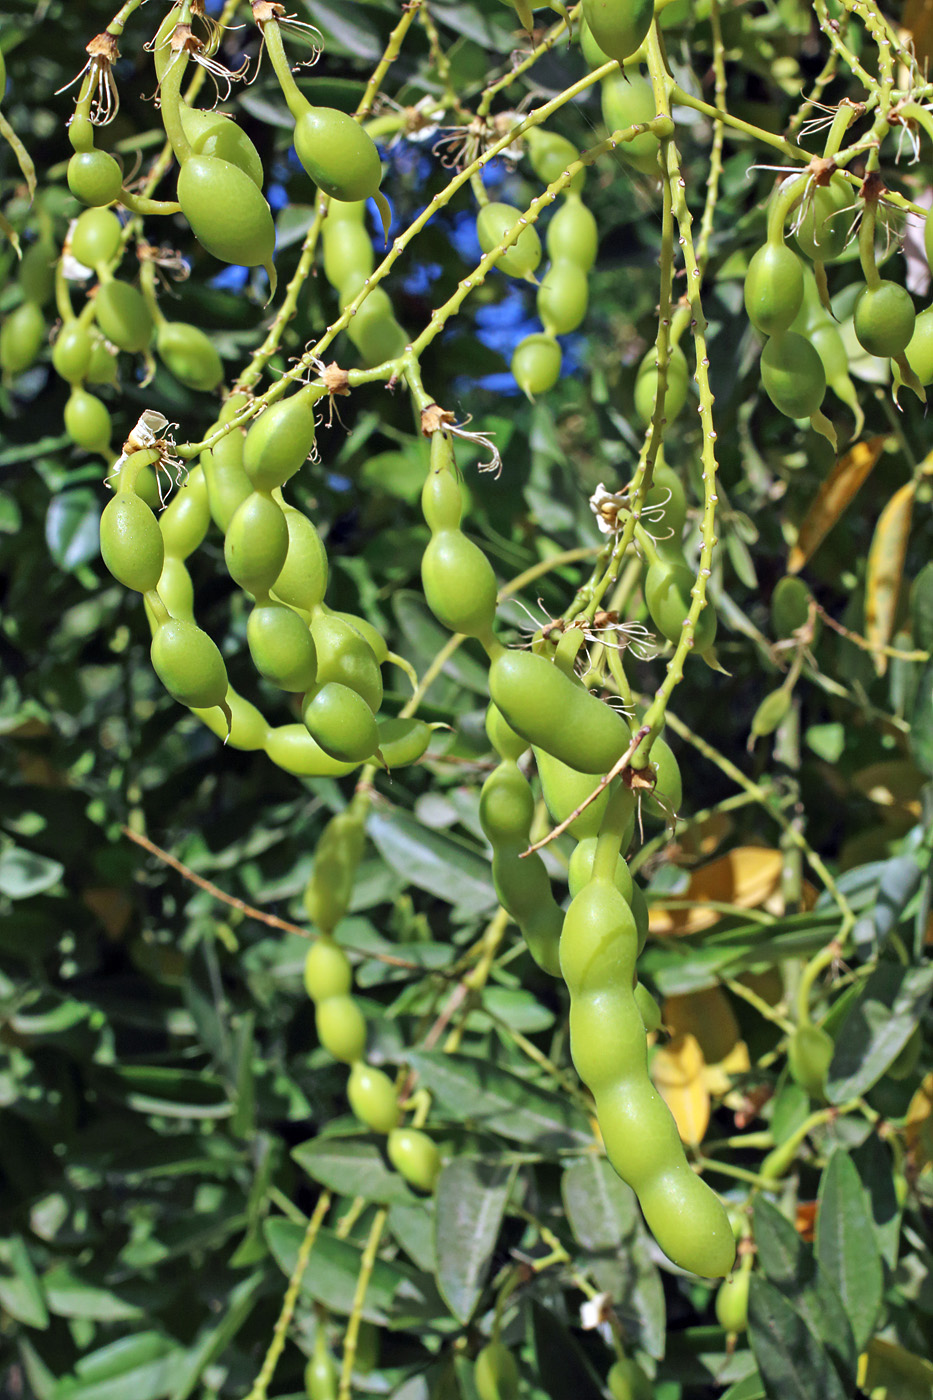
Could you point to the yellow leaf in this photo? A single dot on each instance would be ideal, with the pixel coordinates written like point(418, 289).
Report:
point(719, 1077)
point(918, 1128)
point(746, 877)
point(834, 495)
point(917, 17)
point(889, 1372)
point(886, 571)
point(708, 1017)
point(678, 1072)
point(895, 784)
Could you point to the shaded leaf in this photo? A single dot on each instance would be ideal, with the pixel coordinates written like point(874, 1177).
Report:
point(885, 571)
point(877, 1027)
point(471, 1197)
point(497, 1101)
point(601, 1210)
point(793, 1362)
point(72, 528)
point(846, 1247)
point(562, 1369)
point(24, 873)
point(332, 1274)
point(874, 1164)
point(921, 605)
point(836, 492)
point(450, 869)
point(352, 1167)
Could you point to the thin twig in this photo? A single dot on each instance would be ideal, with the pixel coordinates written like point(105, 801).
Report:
point(604, 782)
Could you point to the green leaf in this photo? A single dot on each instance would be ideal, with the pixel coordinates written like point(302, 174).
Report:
point(24, 873)
point(72, 528)
point(352, 1167)
point(177, 1093)
point(751, 1388)
point(148, 1380)
point(471, 1197)
point(21, 1292)
point(448, 868)
point(68, 1295)
point(496, 1101)
point(877, 1028)
point(793, 1362)
point(562, 1369)
point(846, 1247)
point(874, 1164)
point(790, 1265)
point(214, 1340)
point(601, 1210)
point(332, 1274)
point(921, 608)
point(921, 721)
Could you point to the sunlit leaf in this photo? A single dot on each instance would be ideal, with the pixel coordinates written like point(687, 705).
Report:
point(885, 571)
point(836, 492)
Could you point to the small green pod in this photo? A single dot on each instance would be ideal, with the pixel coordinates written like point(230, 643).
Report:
point(302, 580)
point(493, 224)
point(337, 153)
point(71, 353)
point(228, 486)
point(619, 27)
point(282, 647)
point(280, 440)
point(562, 297)
point(373, 1098)
point(341, 1028)
point(555, 713)
point(189, 664)
point(256, 544)
point(628, 98)
point(415, 1157)
point(190, 355)
point(403, 742)
point(327, 970)
point(340, 721)
point(536, 364)
point(572, 234)
point(87, 421)
point(345, 656)
point(215, 134)
point(186, 518)
point(131, 542)
point(291, 747)
point(96, 237)
point(228, 215)
point(123, 316)
point(22, 336)
point(459, 584)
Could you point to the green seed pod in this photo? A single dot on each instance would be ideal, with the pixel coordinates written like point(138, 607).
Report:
point(884, 319)
point(792, 375)
point(37, 273)
point(341, 722)
point(228, 486)
point(256, 544)
point(228, 215)
point(790, 606)
point(572, 234)
point(348, 248)
point(551, 155)
point(415, 1157)
point(281, 647)
point(94, 177)
point(87, 422)
point(506, 743)
point(327, 971)
point(123, 316)
point(291, 747)
point(22, 336)
point(71, 353)
point(402, 742)
point(619, 27)
point(648, 1008)
point(280, 440)
point(96, 237)
point(773, 288)
point(646, 387)
point(373, 1098)
point(214, 134)
point(373, 328)
point(190, 355)
point(628, 98)
point(492, 226)
point(188, 664)
point(344, 655)
point(809, 1055)
point(919, 350)
point(337, 153)
point(131, 542)
point(341, 1028)
point(562, 297)
point(536, 363)
point(823, 229)
point(302, 581)
point(771, 712)
point(459, 584)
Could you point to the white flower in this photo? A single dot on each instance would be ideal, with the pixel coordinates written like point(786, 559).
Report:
point(606, 505)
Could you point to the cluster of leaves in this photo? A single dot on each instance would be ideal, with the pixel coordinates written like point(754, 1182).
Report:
point(169, 1120)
